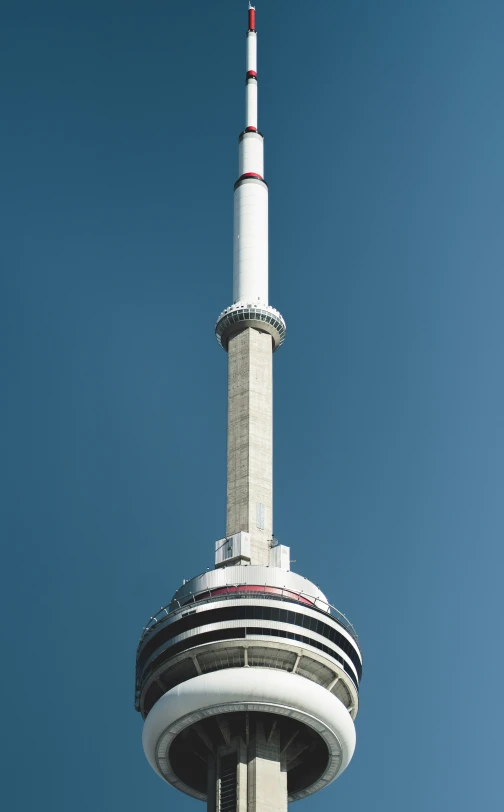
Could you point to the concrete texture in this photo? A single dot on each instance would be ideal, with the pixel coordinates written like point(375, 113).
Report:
point(267, 775)
point(260, 779)
point(250, 441)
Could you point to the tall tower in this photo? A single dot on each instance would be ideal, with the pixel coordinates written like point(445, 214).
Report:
point(248, 679)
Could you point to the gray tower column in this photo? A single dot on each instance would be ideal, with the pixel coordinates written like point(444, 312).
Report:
point(249, 777)
point(250, 441)
point(267, 773)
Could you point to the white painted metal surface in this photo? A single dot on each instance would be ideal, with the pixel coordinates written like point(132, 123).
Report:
point(251, 103)
point(254, 689)
point(263, 576)
point(250, 243)
point(235, 546)
point(252, 51)
point(280, 557)
point(251, 154)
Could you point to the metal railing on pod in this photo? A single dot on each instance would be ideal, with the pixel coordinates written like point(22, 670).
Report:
point(236, 592)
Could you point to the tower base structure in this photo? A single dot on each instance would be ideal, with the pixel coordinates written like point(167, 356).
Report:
point(248, 684)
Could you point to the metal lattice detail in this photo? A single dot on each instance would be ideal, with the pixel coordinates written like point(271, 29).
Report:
point(271, 658)
point(315, 671)
point(224, 658)
point(228, 789)
point(341, 691)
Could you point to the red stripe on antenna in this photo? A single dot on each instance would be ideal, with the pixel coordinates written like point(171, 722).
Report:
point(251, 19)
point(250, 175)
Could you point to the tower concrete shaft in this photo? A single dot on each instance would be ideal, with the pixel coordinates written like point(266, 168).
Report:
point(250, 344)
point(249, 774)
point(250, 441)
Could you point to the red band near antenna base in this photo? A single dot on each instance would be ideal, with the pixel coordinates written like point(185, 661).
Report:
point(251, 175)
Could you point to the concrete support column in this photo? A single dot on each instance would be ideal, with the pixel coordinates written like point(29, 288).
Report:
point(249, 778)
point(267, 775)
point(250, 440)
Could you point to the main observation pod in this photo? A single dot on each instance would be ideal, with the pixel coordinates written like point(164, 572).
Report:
point(247, 659)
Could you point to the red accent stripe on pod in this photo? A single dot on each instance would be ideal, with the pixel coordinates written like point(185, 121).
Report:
point(250, 588)
point(251, 19)
point(251, 74)
point(250, 129)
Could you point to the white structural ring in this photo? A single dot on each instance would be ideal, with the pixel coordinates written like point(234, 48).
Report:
point(249, 689)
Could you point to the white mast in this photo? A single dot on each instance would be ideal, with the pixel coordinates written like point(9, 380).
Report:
point(250, 243)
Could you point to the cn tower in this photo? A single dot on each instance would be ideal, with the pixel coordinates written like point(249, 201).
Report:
point(248, 678)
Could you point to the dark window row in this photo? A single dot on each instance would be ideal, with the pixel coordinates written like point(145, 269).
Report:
point(258, 612)
point(238, 634)
point(197, 640)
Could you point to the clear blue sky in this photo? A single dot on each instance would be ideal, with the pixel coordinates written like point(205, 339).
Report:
point(384, 131)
